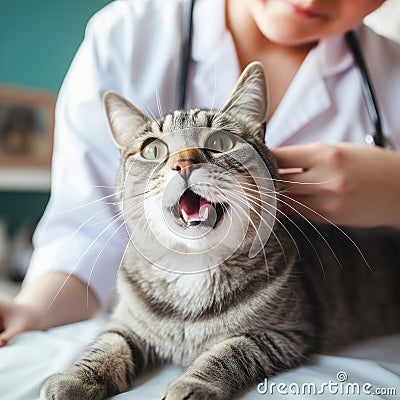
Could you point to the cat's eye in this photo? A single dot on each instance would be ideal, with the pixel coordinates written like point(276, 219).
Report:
point(155, 150)
point(220, 142)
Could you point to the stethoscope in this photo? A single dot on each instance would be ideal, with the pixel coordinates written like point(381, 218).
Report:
point(377, 138)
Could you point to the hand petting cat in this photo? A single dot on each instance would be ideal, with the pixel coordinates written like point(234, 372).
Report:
point(347, 184)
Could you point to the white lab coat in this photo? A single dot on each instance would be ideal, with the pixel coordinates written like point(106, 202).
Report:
point(133, 47)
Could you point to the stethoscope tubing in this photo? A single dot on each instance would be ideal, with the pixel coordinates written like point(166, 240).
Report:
point(367, 88)
point(185, 52)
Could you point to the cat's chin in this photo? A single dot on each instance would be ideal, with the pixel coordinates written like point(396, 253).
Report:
point(216, 239)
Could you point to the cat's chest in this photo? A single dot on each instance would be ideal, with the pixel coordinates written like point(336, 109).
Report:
point(186, 340)
point(174, 337)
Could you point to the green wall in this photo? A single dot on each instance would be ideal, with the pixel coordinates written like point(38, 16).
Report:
point(38, 39)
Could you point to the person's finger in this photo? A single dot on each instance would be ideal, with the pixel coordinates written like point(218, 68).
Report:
point(12, 326)
point(308, 183)
point(8, 329)
point(8, 334)
point(4, 338)
point(297, 184)
point(302, 206)
point(299, 156)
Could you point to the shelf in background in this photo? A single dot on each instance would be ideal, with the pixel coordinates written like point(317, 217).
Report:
point(25, 180)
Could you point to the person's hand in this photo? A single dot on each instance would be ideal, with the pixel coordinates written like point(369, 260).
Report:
point(346, 184)
point(53, 299)
point(16, 318)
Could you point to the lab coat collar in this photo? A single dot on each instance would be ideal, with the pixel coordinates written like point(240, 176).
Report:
point(333, 56)
point(307, 96)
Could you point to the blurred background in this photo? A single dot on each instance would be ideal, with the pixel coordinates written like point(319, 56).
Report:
point(38, 40)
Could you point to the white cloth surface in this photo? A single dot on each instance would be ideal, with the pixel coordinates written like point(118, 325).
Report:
point(133, 47)
point(33, 356)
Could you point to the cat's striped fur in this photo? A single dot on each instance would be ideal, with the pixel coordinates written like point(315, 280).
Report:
point(243, 321)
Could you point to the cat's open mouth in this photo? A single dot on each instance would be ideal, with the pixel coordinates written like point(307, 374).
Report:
point(195, 210)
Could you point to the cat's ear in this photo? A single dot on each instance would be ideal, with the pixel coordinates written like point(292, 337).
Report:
point(250, 96)
point(123, 117)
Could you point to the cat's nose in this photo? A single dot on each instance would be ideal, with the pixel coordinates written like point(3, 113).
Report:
point(184, 167)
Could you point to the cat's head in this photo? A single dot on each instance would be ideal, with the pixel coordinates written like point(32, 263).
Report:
point(196, 185)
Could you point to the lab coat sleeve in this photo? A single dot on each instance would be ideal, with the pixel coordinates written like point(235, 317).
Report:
point(82, 232)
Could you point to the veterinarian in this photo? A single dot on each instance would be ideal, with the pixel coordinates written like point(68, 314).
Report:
point(318, 123)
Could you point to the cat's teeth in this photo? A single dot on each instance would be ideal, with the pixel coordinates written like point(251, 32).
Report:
point(184, 216)
point(205, 213)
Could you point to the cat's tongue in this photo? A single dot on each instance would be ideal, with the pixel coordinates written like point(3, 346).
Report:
point(192, 208)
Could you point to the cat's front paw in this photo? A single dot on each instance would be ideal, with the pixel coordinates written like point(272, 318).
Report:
point(186, 388)
point(67, 386)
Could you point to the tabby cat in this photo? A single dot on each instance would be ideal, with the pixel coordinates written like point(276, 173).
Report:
point(216, 278)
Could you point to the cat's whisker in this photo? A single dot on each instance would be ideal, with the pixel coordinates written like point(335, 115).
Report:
point(256, 199)
point(133, 211)
point(255, 186)
point(121, 213)
point(83, 224)
point(236, 212)
point(78, 262)
point(327, 221)
point(313, 227)
point(234, 182)
point(305, 236)
point(98, 256)
point(259, 187)
point(124, 253)
point(159, 108)
point(215, 88)
point(298, 228)
point(105, 187)
point(145, 229)
point(106, 220)
point(316, 213)
point(229, 212)
point(296, 182)
point(233, 203)
point(274, 208)
point(305, 219)
point(238, 195)
point(137, 195)
point(148, 109)
point(90, 203)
